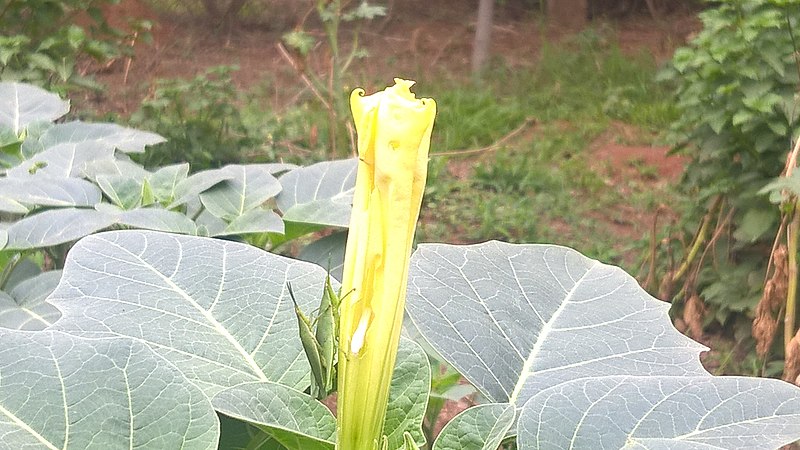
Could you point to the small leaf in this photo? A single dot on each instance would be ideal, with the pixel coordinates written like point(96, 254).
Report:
point(190, 188)
point(93, 137)
point(42, 191)
point(247, 187)
point(408, 395)
point(319, 194)
point(61, 161)
point(253, 221)
point(480, 427)
point(25, 308)
point(118, 165)
point(123, 191)
point(157, 219)
point(165, 180)
point(295, 419)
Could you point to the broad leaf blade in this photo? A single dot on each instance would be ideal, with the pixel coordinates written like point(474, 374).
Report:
point(579, 343)
point(253, 221)
point(118, 166)
point(23, 104)
point(122, 190)
point(480, 427)
point(219, 311)
point(521, 318)
point(61, 391)
point(25, 308)
point(662, 412)
point(60, 161)
point(295, 419)
point(190, 188)
point(166, 179)
point(319, 194)
point(88, 137)
point(248, 187)
point(42, 191)
point(408, 394)
point(157, 219)
point(239, 435)
point(55, 226)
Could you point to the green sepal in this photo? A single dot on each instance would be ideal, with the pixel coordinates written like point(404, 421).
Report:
point(408, 442)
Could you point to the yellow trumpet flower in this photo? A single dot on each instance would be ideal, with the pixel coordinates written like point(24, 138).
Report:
point(394, 130)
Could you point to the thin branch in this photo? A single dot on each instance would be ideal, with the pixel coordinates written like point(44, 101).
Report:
point(303, 76)
point(495, 146)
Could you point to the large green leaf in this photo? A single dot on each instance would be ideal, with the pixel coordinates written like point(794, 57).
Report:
point(408, 395)
point(247, 187)
point(157, 219)
point(43, 191)
point(25, 308)
point(481, 427)
point(61, 161)
point(87, 137)
point(64, 392)
point(319, 194)
point(56, 226)
point(525, 321)
point(220, 311)
point(119, 165)
point(23, 104)
point(662, 412)
point(295, 419)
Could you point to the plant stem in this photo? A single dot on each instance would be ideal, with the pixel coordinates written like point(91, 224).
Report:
point(791, 291)
point(699, 239)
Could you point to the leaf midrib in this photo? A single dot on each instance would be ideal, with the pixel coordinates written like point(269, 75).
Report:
point(548, 326)
point(210, 318)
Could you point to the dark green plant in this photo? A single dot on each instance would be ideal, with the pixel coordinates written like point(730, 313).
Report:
point(736, 87)
point(203, 121)
point(42, 42)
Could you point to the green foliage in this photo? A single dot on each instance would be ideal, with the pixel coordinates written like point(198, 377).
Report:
point(736, 86)
point(81, 176)
point(204, 122)
point(543, 182)
point(42, 42)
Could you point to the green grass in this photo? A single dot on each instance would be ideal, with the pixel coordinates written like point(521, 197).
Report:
point(540, 187)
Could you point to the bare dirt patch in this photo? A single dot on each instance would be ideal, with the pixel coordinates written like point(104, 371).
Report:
point(418, 39)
